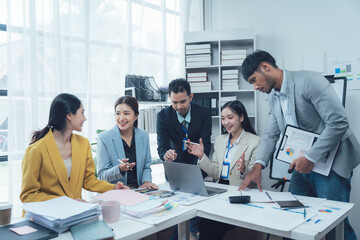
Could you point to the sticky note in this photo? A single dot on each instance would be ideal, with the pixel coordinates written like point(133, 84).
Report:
point(23, 230)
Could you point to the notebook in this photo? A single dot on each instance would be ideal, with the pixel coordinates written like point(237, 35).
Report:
point(91, 231)
point(40, 233)
point(188, 178)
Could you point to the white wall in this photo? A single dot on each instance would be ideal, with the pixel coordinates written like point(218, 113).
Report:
point(289, 29)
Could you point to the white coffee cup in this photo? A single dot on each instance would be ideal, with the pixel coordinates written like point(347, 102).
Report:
point(111, 211)
point(5, 213)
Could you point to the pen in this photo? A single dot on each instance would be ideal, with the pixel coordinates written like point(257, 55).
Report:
point(304, 213)
point(268, 195)
point(127, 166)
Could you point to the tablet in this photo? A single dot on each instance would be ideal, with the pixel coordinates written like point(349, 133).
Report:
point(290, 204)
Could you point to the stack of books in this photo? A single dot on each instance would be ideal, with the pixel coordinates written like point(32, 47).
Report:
point(199, 82)
point(234, 57)
point(198, 55)
point(224, 100)
point(59, 214)
point(230, 79)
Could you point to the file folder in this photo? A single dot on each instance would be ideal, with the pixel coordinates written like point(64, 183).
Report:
point(42, 233)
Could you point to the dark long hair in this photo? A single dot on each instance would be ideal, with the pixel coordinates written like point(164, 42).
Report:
point(131, 102)
point(239, 109)
point(61, 106)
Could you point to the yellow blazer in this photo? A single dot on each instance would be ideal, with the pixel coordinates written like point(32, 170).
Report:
point(248, 143)
point(44, 174)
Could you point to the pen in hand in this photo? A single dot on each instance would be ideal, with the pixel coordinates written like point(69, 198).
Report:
point(127, 166)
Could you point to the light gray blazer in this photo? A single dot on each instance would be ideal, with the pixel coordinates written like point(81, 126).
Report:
point(317, 109)
point(248, 143)
point(110, 148)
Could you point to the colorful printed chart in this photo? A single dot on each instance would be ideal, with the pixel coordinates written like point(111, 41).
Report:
point(289, 151)
point(325, 210)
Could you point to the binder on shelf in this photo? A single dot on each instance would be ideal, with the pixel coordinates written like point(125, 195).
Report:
point(214, 107)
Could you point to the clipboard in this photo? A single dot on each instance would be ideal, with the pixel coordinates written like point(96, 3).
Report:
point(296, 142)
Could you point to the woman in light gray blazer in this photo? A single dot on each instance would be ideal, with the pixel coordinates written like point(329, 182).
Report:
point(123, 152)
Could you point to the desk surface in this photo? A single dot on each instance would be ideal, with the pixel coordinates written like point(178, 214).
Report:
point(329, 214)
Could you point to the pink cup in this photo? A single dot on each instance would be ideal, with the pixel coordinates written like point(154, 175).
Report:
point(111, 211)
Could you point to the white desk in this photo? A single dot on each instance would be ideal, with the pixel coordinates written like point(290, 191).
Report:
point(213, 208)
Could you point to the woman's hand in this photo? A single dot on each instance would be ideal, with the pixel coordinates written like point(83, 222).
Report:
point(125, 166)
point(80, 200)
point(120, 185)
point(149, 185)
point(240, 163)
point(196, 149)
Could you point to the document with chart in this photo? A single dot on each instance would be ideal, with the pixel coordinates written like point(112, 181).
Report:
point(296, 142)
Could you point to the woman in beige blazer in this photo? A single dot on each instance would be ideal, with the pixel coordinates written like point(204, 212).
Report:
point(234, 156)
point(57, 161)
point(234, 151)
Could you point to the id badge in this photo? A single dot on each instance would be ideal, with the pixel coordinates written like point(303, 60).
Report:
point(184, 147)
point(225, 170)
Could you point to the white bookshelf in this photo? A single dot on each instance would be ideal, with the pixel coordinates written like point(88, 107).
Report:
point(220, 40)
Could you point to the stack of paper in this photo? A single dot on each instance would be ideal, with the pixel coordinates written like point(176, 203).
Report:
point(230, 79)
point(198, 55)
point(233, 56)
point(61, 213)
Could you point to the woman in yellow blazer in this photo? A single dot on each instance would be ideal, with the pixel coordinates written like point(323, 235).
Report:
point(57, 161)
point(234, 156)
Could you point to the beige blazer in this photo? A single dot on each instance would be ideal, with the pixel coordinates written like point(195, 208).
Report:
point(44, 174)
point(248, 143)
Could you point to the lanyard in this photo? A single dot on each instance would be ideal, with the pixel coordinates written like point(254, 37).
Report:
point(228, 148)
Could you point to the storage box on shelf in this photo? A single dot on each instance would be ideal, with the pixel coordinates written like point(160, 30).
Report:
point(216, 76)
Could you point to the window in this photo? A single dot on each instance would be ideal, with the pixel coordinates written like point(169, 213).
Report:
point(82, 47)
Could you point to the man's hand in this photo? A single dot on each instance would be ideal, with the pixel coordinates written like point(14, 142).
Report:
point(253, 176)
point(149, 185)
point(120, 185)
point(170, 155)
point(302, 165)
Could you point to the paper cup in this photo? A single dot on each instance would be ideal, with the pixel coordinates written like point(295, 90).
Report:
point(110, 211)
point(5, 213)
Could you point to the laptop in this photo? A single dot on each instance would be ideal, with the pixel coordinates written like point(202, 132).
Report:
point(188, 178)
